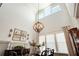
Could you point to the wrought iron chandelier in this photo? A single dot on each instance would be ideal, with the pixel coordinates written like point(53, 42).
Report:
point(38, 26)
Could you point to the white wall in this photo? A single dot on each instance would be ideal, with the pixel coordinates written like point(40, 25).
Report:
point(3, 47)
point(19, 16)
point(71, 10)
point(56, 21)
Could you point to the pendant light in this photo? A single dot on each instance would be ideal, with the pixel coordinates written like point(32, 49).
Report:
point(38, 26)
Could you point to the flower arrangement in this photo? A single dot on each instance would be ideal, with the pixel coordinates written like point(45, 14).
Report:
point(34, 44)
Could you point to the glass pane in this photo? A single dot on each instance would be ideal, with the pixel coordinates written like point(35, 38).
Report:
point(60, 37)
point(41, 14)
point(62, 47)
point(41, 40)
point(56, 9)
point(47, 11)
point(50, 41)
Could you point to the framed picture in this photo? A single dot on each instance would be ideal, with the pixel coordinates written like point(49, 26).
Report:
point(16, 38)
point(17, 32)
point(23, 33)
point(16, 35)
point(19, 35)
point(23, 38)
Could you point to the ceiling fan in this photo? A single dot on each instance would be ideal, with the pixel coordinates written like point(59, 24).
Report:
point(0, 4)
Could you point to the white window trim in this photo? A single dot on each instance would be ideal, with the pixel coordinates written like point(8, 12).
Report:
point(56, 46)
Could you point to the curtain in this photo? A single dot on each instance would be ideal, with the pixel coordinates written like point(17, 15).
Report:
point(69, 41)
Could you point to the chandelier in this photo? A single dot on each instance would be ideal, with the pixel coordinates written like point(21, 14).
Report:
point(38, 26)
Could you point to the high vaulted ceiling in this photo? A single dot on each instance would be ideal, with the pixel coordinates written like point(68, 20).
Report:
point(33, 6)
point(22, 15)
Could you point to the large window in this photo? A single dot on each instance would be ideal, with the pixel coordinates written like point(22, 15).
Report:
point(61, 43)
point(48, 11)
point(54, 41)
point(42, 40)
point(50, 40)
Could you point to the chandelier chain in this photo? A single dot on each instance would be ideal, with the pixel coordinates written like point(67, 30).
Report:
point(38, 10)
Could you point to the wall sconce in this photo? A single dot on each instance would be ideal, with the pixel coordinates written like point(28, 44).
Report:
point(10, 32)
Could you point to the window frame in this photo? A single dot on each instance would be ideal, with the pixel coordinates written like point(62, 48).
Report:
point(52, 8)
point(56, 43)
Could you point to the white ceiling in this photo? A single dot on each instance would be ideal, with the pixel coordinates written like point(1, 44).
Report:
point(70, 8)
point(33, 6)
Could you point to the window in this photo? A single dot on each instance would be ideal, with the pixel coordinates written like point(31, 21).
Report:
point(41, 15)
point(48, 11)
point(54, 41)
point(50, 39)
point(41, 40)
point(56, 9)
point(61, 43)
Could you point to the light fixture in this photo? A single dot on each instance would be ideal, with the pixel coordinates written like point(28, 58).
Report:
point(38, 26)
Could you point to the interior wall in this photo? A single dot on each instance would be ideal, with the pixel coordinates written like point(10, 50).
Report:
point(19, 16)
point(56, 21)
point(3, 47)
point(71, 9)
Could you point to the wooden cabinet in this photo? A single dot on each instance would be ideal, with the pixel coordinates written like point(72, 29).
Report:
point(74, 32)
